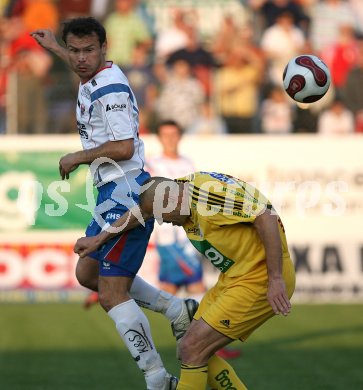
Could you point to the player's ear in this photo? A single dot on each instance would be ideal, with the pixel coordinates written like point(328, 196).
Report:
point(104, 48)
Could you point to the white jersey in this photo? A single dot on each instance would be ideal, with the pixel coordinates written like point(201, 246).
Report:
point(166, 234)
point(107, 111)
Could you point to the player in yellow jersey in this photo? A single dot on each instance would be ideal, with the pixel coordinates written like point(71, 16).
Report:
point(237, 229)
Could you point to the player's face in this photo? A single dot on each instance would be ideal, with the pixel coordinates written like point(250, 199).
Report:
point(86, 55)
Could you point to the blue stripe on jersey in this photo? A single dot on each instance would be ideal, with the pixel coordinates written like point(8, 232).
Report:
point(113, 88)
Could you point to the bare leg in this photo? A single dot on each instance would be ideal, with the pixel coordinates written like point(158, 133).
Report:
point(200, 342)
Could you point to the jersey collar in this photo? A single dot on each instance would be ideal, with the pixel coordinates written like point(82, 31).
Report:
point(107, 66)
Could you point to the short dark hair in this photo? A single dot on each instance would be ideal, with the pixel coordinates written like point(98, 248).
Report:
point(81, 27)
point(169, 122)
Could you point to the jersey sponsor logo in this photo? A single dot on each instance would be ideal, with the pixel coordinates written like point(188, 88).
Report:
point(224, 380)
point(86, 92)
point(83, 134)
point(93, 82)
point(220, 261)
point(115, 107)
point(82, 130)
point(226, 323)
point(221, 177)
point(81, 126)
point(113, 216)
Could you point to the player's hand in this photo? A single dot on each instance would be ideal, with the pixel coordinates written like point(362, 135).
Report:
point(45, 38)
point(67, 164)
point(86, 245)
point(277, 296)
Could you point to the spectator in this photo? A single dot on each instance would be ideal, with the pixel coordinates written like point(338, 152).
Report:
point(341, 56)
point(307, 6)
point(280, 43)
point(224, 38)
point(357, 7)
point(180, 96)
point(199, 59)
point(125, 29)
point(237, 89)
point(173, 38)
point(305, 120)
point(232, 34)
point(180, 264)
point(337, 119)
point(270, 10)
point(276, 113)
point(326, 17)
point(29, 63)
point(40, 14)
point(13, 8)
point(208, 122)
point(353, 92)
point(73, 9)
point(141, 77)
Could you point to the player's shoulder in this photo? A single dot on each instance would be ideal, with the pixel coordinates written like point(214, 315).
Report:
point(108, 81)
point(109, 75)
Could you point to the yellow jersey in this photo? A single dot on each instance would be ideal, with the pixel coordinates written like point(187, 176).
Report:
point(222, 212)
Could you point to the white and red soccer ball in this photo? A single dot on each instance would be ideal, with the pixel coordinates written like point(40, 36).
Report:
point(306, 78)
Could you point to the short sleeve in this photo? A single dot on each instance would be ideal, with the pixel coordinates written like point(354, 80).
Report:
point(120, 113)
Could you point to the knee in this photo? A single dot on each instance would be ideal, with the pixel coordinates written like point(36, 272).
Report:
point(108, 299)
point(112, 291)
point(105, 300)
point(192, 351)
point(82, 280)
point(87, 274)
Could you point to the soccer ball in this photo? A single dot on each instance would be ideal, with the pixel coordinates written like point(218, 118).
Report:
point(306, 78)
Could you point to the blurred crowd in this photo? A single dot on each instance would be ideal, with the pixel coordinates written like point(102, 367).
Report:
point(213, 66)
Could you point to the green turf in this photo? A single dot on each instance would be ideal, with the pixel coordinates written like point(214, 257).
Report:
point(63, 347)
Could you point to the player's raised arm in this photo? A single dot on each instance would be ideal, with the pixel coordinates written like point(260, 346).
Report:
point(46, 39)
point(267, 228)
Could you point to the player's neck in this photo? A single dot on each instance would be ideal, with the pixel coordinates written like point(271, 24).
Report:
point(104, 65)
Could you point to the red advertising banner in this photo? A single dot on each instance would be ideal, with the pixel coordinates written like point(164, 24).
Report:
point(39, 266)
point(38, 272)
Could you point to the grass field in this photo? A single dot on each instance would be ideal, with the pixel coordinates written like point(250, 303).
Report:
point(63, 347)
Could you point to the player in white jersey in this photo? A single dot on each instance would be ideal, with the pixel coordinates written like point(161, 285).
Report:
point(107, 111)
point(107, 120)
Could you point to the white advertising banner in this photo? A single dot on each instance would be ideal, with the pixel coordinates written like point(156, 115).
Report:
point(315, 183)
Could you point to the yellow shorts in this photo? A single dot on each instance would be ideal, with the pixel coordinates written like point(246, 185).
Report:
point(237, 306)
